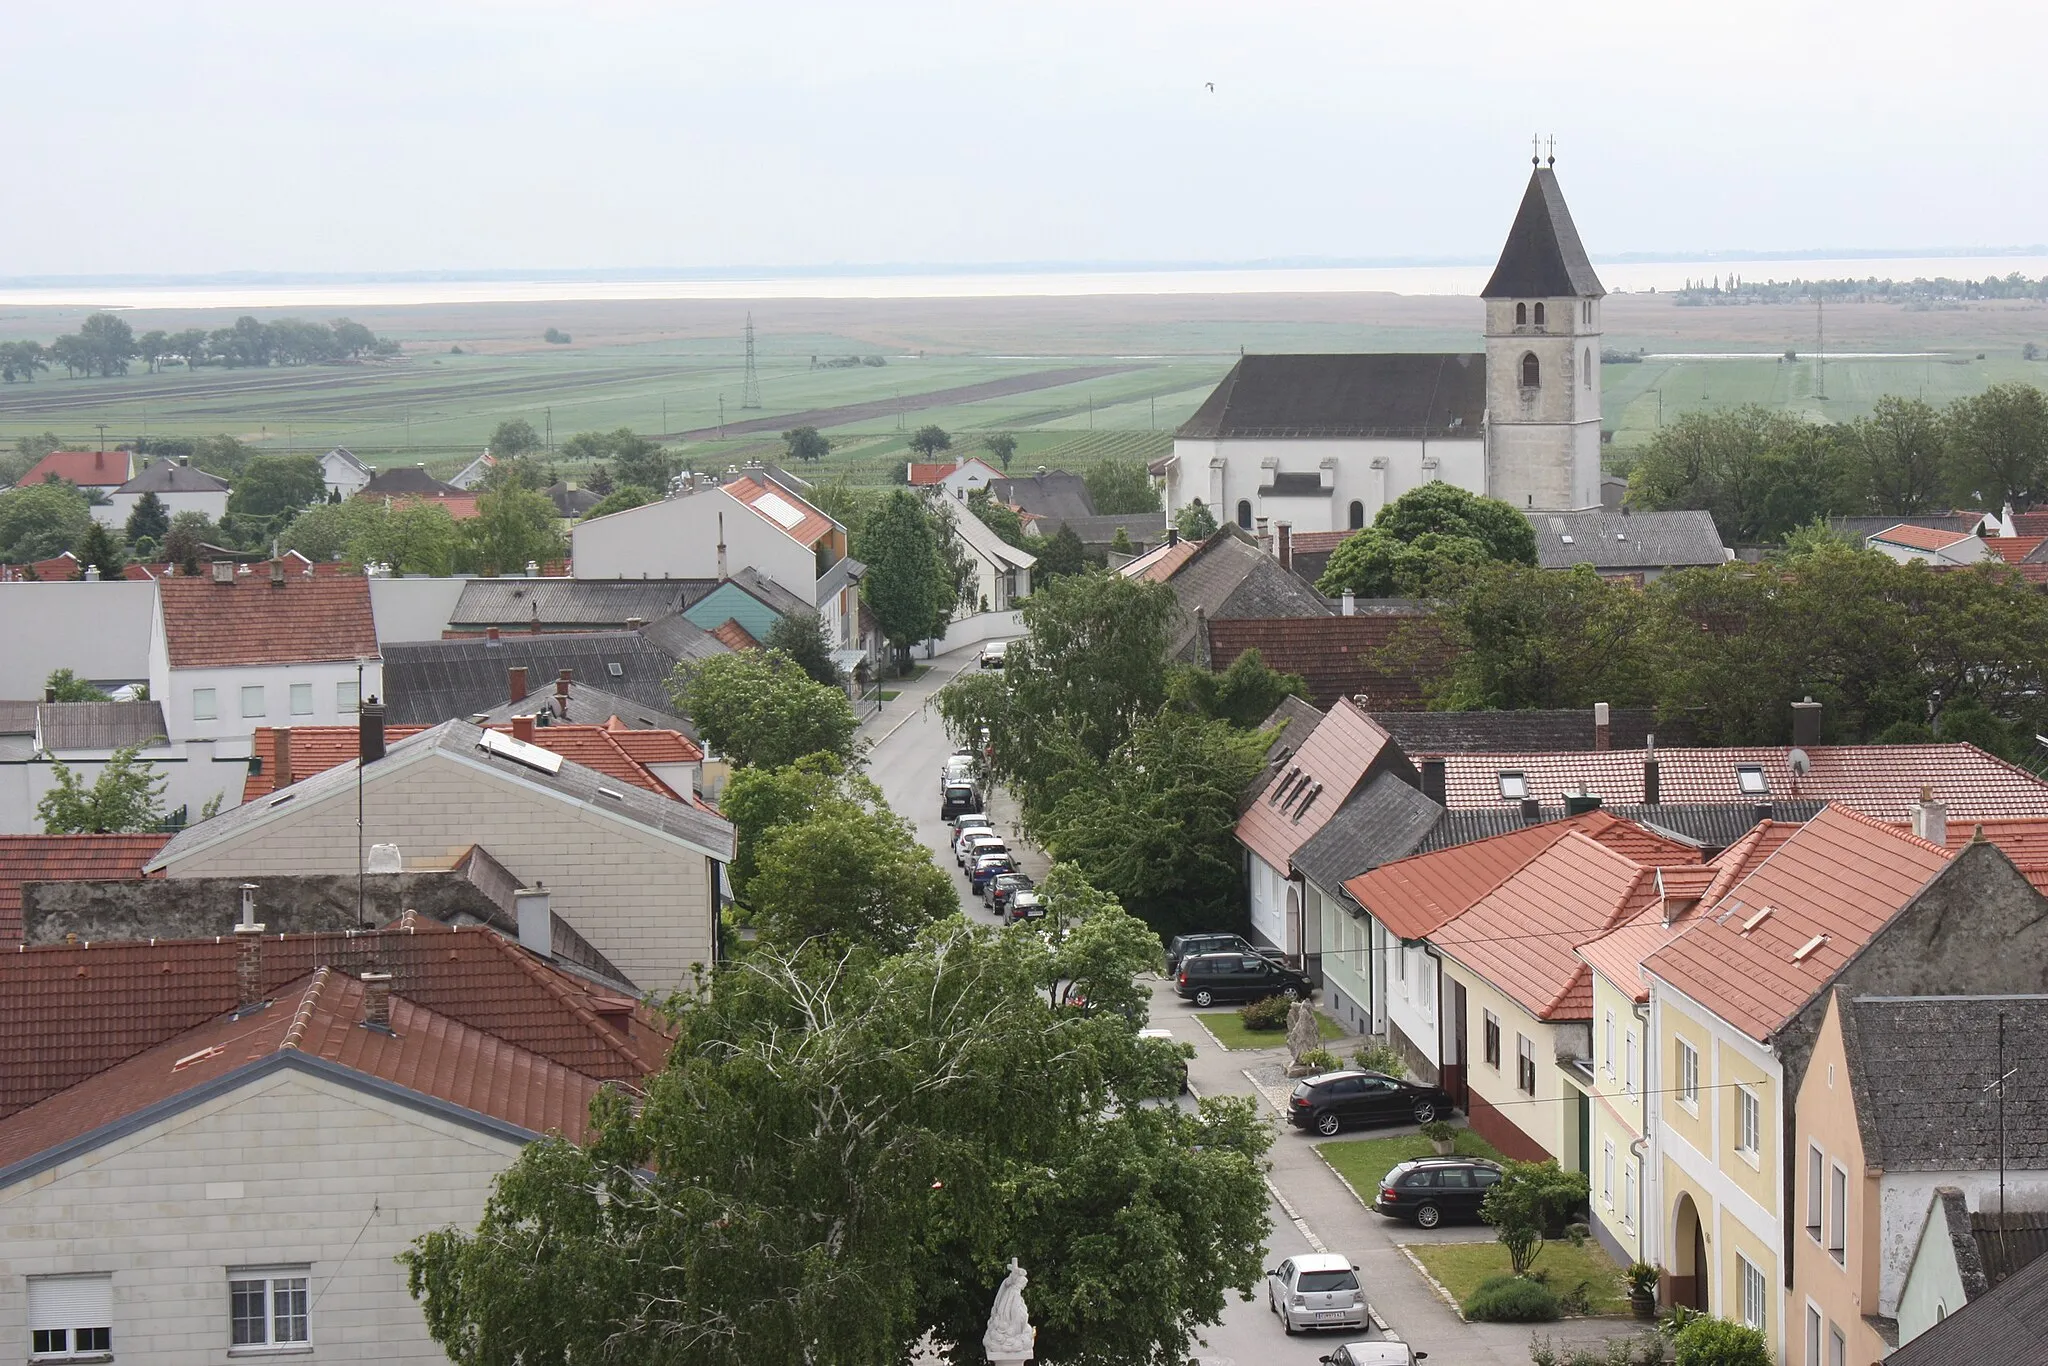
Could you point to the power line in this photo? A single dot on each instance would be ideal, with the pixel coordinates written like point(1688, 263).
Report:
point(750, 382)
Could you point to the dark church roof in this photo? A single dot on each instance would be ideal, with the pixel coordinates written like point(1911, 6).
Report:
point(1543, 257)
point(1399, 396)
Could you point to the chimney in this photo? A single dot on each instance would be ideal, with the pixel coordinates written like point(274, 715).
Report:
point(1762, 811)
point(1350, 603)
point(635, 623)
point(1650, 777)
point(1283, 534)
point(533, 569)
point(1580, 802)
point(490, 635)
point(1930, 818)
point(370, 731)
point(1433, 779)
point(99, 460)
point(224, 571)
point(92, 573)
point(533, 625)
point(1603, 730)
point(522, 728)
point(377, 1000)
point(1806, 723)
point(49, 694)
point(1172, 534)
point(1532, 810)
point(536, 920)
point(721, 547)
point(282, 740)
point(562, 681)
point(515, 683)
point(248, 951)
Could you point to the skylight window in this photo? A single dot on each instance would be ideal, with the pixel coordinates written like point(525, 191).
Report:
point(1749, 780)
point(1567, 539)
point(1513, 787)
point(778, 508)
point(614, 668)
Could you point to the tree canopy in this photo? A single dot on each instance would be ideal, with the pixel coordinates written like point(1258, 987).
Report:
point(801, 636)
point(65, 686)
point(275, 486)
point(806, 444)
point(1243, 694)
point(42, 521)
point(1000, 518)
point(513, 528)
point(126, 798)
point(1121, 486)
point(760, 709)
point(1424, 534)
point(513, 438)
point(1003, 447)
point(930, 439)
point(148, 518)
point(1195, 522)
point(909, 585)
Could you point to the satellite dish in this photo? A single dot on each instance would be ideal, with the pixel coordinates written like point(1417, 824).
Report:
point(1799, 762)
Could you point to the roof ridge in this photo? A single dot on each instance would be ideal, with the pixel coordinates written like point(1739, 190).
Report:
point(551, 981)
point(303, 1017)
point(1890, 828)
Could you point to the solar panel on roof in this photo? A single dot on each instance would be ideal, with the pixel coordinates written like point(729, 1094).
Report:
point(520, 752)
point(778, 508)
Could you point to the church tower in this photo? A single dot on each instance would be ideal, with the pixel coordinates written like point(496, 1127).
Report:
point(1543, 359)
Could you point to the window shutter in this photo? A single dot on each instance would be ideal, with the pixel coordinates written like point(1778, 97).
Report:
point(70, 1302)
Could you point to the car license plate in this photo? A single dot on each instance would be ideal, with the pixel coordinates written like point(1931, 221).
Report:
point(1332, 1314)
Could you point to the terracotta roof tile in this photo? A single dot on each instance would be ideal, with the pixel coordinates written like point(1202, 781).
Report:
point(1325, 769)
point(1319, 542)
point(65, 858)
point(2013, 549)
point(1921, 537)
point(460, 505)
point(922, 474)
point(1879, 780)
point(734, 636)
point(1619, 954)
point(210, 625)
point(614, 753)
point(87, 469)
point(2030, 523)
point(2023, 840)
point(1161, 563)
point(809, 526)
point(1336, 656)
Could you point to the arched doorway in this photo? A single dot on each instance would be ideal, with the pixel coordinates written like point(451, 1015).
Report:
point(1688, 1256)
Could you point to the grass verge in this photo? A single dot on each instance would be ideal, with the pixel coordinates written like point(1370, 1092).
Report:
point(1228, 1030)
point(1363, 1161)
point(1462, 1266)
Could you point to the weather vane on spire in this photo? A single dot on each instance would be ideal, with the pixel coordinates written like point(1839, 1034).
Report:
point(1553, 149)
point(1535, 149)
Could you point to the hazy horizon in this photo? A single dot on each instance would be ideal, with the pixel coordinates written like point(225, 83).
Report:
point(521, 137)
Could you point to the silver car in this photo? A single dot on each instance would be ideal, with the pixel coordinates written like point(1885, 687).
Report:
point(1317, 1290)
point(1383, 1352)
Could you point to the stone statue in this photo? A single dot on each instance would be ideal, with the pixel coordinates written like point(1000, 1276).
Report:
point(1010, 1336)
point(1302, 1034)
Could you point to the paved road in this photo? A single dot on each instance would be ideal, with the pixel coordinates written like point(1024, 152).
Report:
point(909, 748)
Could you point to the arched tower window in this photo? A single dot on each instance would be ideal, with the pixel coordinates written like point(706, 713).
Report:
point(1521, 314)
point(1539, 315)
point(1244, 513)
point(1357, 515)
point(1589, 367)
point(1532, 372)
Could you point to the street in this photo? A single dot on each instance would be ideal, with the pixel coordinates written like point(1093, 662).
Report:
point(909, 750)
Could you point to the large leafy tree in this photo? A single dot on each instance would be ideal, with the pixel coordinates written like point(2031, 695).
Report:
point(42, 521)
point(412, 537)
point(1003, 447)
point(760, 709)
point(98, 549)
point(1195, 522)
point(513, 528)
point(1121, 486)
point(513, 438)
point(801, 636)
point(2000, 443)
point(847, 869)
point(1243, 694)
point(191, 531)
point(1000, 518)
point(1424, 534)
point(620, 499)
point(1898, 456)
point(1061, 553)
point(1508, 636)
point(930, 439)
point(1759, 472)
point(909, 585)
point(842, 1156)
point(326, 531)
point(806, 444)
point(126, 798)
point(275, 486)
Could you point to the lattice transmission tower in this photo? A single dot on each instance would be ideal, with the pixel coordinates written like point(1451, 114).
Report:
point(750, 384)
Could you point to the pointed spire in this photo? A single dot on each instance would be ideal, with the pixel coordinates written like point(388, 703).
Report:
point(1543, 257)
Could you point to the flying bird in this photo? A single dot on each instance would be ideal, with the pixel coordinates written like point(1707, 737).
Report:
point(1211, 85)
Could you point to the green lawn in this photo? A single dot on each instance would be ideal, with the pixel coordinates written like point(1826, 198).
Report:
point(1231, 1033)
point(1462, 1266)
point(1363, 1161)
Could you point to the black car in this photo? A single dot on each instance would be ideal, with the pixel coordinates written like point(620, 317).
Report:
point(1429, 1190)
point(996, 891)
point(958, 799)
point(1192, 945)
point(1208, 978)
point(1329, 1102)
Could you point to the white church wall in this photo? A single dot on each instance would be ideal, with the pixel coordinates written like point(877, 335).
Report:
point(1356, 479)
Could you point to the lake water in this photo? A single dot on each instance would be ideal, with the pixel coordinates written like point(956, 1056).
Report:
point(1631, 276)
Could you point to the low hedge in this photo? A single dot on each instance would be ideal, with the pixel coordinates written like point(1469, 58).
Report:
point(1511, 1299)
point(1270, 1013)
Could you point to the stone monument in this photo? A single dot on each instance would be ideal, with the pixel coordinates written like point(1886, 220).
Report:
point(1303, 1035)
point(1010, 1337)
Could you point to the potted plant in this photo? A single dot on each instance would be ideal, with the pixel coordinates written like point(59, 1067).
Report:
point(1642, 1289)
point(1442, 1137)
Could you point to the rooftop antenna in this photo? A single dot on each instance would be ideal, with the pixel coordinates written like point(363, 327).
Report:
point(750, 382)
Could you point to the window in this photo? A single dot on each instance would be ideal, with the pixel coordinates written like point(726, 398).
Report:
point(1587, 309)
point(252, 700)
point(1628, 1195)
point(1400, 962)
point(1748, 1123)
point(1749, 781)
point(302, 699)
point(1607, 1174)
point(1492, 1038)
point(268, 1308)
point(1816, 1193)
point(1532, 372)
point(1588, 367)
point(1244, 514)
point(1838, 1215)
point(1521, 315)
point(1539, 315)
point(1628, 1063)
point(1688, 1076)
point(1525, 1064)
point(1838, 1346)
point(1357, 514)
point(346, 697)
point(1610, 1043)
point(1753, 1292)
point(204, 705)
point(1513, 787)
point(70, 1315)
point(1812, 1336)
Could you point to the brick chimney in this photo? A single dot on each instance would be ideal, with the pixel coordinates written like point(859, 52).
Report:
point(370, 731)
point(490, 635)
point(515, 683)
point(522, 728)
point(562, 681)
point(281, 759)
point(248, 951)
point(1433, 779)
point(1283, 534)
point(1806, 723)
point(1603, 729)
point(1651, 783)
point(377, 1000)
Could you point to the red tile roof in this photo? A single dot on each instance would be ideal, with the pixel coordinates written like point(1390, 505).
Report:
point(210, 625)
point(734, 636)
point(2013, 549)
point(321, 1017)
point(1315, 542)
point(1161, 562)
point(810, 525)
point(1324, 770)
point(1336, 656)
point(2030, 523)
point(65, 858)
point(1921, 537)
point(62, 569)
point(461, 506)
point(87, 469)
point(616, 753)
point(71, 1011)
point(1839, 878)
point(1879, 780)
point(2023, 840)
point(921, 474)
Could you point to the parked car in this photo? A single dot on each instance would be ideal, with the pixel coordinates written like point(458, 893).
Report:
point(1193, 945)
point(970, 841)
point(958, 798)
point(970, 820)
point(999, 889)
point(1023, 906)
point(959, 768)
point(1429, 1190)
point(1381, 1352)
point(1317, 1290)
point(992, 654)
point(987, 865)
point(1212, 977)
point(1328, 1102)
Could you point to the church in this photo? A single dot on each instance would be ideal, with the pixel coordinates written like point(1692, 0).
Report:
point(1322, 442)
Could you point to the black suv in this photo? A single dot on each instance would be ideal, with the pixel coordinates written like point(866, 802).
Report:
point(1208, 978)
point(1329, 1102)
point(1191, 945)
point(1429, 1190)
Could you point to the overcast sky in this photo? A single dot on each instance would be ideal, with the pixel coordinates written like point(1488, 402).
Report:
point(363, 136)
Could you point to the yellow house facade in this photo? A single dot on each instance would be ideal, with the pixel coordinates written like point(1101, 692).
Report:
point(1620, 1034)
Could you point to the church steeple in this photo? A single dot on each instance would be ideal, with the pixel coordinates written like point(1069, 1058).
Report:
point(1543, 258)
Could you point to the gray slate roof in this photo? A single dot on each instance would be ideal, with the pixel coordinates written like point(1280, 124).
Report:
point(100, 725)
point(407, 479)
point(572, 502)
point(1099, 530)
point(1386, 821)
point(2006, 1324)
point(1506, 732)
point(1059, 494)
point(168, 476)
point(1543, 258)
point(1624, 541)
point(513, 604)
point(588, 706)
point(680, 638)
point(430, 681)
point(1346, 395)
point(1711, 825)
point(1922, 1069)
point(1230, 577)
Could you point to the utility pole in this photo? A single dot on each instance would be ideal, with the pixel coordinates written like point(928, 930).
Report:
point(721, 417)
point(750, 380)
point(103, 436)
point(550, 421)
point(664, 417)
point(1820, 354)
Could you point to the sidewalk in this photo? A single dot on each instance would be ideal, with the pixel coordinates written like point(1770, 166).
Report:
point(912, 694)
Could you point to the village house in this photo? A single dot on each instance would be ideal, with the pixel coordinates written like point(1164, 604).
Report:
point(84, 736)
point(94, 471)
point(953, 479)
point(1002, 572)
point(176, 484)
point(342, 473)
point(1909, 544)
